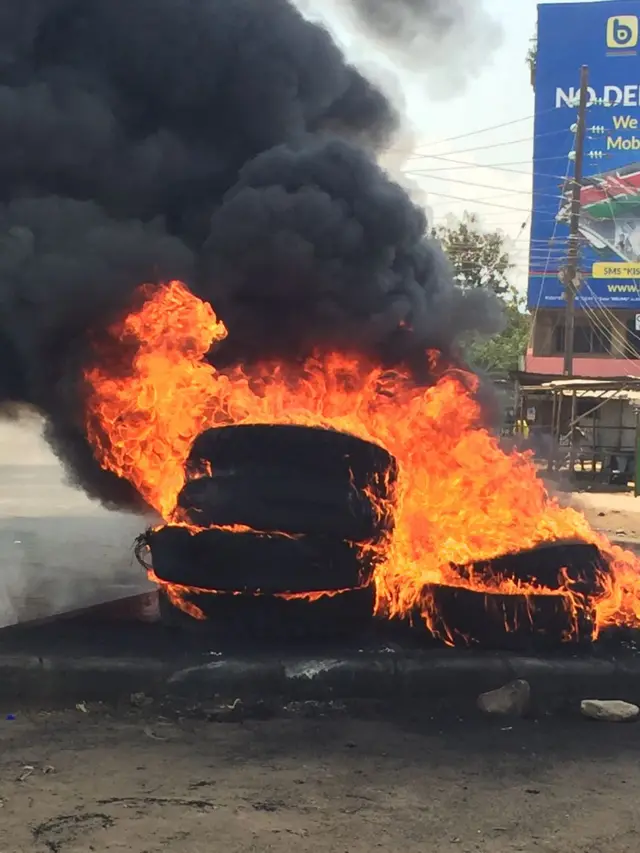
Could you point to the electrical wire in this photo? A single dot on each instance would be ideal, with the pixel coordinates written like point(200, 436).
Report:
point(607, 313)
point(470, 133)
point(606, 331)
point(493, 145)
point(488, 271)
point(506, 190)
point(478, 201)
point(613, 319)
point(548, 260)
point(498, 166)
point(495, 167)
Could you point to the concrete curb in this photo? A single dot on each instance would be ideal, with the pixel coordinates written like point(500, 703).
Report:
point(390, 675)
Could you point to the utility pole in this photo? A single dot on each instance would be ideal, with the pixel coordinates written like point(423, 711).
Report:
point(571, 272)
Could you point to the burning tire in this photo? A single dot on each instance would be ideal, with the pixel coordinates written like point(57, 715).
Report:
point(302, 499)
point(551, 565)
point(239, 618)
point(540, 620)
point(251, 562)
point(465, 617)
point(276, 501)
point(319, 454)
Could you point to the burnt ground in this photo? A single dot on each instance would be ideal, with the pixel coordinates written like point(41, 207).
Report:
point(442, 781)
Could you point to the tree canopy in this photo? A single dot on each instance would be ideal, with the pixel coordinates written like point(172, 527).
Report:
point(532, 60)
point(481, 259)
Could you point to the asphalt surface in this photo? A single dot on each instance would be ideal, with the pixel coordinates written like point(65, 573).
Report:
point(321, 778)
point(316, 779)
point(58, 550)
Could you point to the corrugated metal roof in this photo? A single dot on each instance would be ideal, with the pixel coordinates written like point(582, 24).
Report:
point(621, 394)
point(600, 389)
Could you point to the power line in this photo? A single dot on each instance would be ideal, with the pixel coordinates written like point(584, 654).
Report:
point(488, 129)
point(481, 130)
point(506, 190)
point(495, 144)
point(494, 167)
point(606, 331)
point(487, 200)
point(539, 251)
point(606, 312)
point(478, 201)
point(504, 143)
point(523, 241)
point(500, 259)
point(549, 253)
point(498, 166)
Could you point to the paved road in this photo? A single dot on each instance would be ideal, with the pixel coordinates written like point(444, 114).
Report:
point(58, 550)
point(139, 782)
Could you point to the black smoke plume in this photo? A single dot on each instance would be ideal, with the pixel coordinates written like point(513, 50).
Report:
point(448, 41)
point(224, 142)
point(403, 19)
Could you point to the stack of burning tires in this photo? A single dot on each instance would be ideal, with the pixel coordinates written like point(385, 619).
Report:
point(284, 533)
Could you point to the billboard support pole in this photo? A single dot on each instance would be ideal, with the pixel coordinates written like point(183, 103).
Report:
point(636, 479)
point(571, 271)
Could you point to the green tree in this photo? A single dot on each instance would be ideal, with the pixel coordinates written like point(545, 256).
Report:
point(502, 352)
point(478, 257)
point(481, 259)
point(532, 60)
point(532, 55)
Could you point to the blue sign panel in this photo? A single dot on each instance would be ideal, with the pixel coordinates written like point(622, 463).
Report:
point(604, 36)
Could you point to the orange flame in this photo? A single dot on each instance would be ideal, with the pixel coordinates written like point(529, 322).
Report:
point(179, 595)
point(459, 498)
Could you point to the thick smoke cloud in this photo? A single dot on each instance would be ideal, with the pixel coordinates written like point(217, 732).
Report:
point(224, 142)
point(448, 40)
point(401, 19)
point(316, 238)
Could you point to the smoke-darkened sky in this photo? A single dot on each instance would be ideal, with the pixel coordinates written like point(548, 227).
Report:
point(446, 44)
point(224, 142)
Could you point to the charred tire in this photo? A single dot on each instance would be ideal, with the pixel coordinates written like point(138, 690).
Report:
point(548, 565)
point(467, 618)
point(249, 618)
point(289, 504)
point(320, 454)
point(250, 562)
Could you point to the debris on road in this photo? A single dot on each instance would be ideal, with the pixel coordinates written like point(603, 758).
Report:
point(228, 713)
point(29, 770)
point(148, 731)
point(140, 700)
point(609, 710)
point(512, 699)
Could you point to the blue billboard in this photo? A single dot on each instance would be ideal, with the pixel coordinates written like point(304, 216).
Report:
point(604, 36)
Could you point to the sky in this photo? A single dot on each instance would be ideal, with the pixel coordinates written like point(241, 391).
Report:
point(474, 91)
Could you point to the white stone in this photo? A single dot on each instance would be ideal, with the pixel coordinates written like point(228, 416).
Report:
point(611, 710)
point(513, 699)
